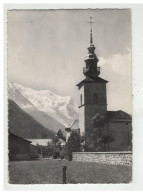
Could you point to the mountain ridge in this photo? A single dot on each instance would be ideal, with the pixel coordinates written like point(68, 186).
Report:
point(49, 109)
point(22, 124)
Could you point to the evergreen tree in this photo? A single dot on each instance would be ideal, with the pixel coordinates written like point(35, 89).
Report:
point(57, 149)
point(60, 135)
point(73, 144)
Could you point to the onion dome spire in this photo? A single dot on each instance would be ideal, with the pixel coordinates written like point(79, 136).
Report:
point(91, 70)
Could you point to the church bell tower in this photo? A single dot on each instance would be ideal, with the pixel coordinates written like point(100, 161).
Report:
point(92, 90)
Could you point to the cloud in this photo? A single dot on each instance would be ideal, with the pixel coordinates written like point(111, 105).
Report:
point(117, 70)
point(47, 48)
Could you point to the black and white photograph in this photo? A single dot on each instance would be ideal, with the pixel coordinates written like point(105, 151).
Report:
point(69, 96)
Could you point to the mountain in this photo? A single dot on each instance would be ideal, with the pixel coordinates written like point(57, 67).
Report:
point(22, 124)
point(51, 110)
point(40, 116)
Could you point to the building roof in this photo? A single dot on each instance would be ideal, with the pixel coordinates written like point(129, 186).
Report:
point(118, 115)
point(18, 137)
point(91, 80)
point(41, 142)
point(61, 142)
point(73, 126)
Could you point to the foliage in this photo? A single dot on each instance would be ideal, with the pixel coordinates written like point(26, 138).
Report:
point(55, 139)
point(108, 139)
point(58, 150)
point(45, 151)
point(56, 153)
point(98, 121)
point(73, 144)
point(93, 142)
point(60, 135)
point(93, 139)
point(62, 153)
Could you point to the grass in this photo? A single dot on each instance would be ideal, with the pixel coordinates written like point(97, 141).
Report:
point(50, 172)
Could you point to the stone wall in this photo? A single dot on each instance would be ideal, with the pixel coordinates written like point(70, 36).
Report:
point(115, 158)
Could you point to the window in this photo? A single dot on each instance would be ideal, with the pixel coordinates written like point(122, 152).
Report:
point(95, 98)
point(81, 99)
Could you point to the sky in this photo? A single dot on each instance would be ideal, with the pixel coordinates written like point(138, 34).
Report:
point(47, 49)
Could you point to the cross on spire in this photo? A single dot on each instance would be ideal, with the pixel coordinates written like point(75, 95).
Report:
point(91, 22)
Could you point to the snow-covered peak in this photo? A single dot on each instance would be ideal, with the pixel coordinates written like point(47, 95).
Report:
point(63, 109)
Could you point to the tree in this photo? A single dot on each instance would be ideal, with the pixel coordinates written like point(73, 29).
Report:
point(49, 149)
point(60, 135)
point(44, 135)
point(55, 139)
point(93, 138)
point(57, 148)
point(73, 144)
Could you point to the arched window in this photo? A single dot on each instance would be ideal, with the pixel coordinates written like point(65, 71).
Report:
point(81, 99)
point(95, 98)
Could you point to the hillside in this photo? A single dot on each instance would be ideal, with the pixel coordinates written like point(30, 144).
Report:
point(23, 125)
point(51, 110)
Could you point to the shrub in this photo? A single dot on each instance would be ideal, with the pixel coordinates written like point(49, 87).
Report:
point(62, 153)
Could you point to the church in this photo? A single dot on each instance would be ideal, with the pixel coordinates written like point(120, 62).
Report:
point(93, 101)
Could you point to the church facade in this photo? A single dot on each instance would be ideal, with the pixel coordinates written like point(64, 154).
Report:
point(93, 101)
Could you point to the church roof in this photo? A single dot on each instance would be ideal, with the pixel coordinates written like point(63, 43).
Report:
point(118, 115)
point(91, 80)
point(73, 126)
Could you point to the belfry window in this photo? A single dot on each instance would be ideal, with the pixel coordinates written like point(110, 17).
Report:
point(81, 99)
point(95, 98)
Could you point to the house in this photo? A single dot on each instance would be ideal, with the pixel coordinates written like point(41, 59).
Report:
point(73, 127)
point(61, 143)
point(19, 148)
